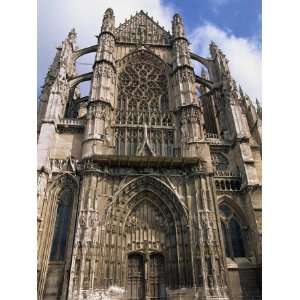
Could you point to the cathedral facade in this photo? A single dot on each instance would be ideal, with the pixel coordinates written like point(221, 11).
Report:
point(151, 184)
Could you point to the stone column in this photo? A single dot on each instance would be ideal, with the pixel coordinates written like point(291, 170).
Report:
point(98, 133)
point(189, 112)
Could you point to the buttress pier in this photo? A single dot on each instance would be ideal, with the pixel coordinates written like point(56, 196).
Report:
point(151, 184)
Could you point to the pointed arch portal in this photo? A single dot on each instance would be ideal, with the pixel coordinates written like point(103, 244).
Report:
point(147, 241)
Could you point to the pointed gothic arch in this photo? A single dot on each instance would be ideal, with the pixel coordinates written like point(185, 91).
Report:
point(233, 225)
point(144, 217)
point(143, 99)
point(62, 198)
point(155, 184)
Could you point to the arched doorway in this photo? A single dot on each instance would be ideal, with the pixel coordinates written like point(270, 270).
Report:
point(147, 220)
point(151, 244)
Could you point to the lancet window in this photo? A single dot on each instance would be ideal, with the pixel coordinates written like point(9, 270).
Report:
point(62, 224)
point(232, 232)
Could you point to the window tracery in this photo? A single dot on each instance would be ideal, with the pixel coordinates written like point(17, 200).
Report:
point(219, 161)
point(232, 232)
point(142, 84)
point(143, 100)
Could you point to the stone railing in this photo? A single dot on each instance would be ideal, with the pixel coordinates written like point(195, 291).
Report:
point(226, 180)
point(68, 123)
point(212, 136)
point(215, 139)
point(225, 173)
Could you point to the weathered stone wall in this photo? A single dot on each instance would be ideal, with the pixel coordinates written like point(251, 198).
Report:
point(158, 157)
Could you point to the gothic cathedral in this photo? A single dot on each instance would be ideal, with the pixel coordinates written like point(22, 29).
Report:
point(150, 186)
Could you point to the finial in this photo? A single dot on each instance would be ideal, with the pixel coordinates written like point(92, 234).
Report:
point(177, 18)
point(257, 103)
point(241, 91)
point(109, 12)
point(72, 34)
point(212, 44)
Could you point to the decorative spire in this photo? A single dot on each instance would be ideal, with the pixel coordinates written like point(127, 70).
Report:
point(241, 91)
point(220, 60)
point(108, 22)
point(213, 49)
point(72, 35)
point(178, 27)
point(258, 108)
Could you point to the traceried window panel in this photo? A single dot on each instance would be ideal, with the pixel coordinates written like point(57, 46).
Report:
point(232, 232)
point(143, 83)
point(62, 224)
point(143, 116)
point(219, 161)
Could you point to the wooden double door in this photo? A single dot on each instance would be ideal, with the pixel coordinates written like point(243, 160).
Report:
point(146, 277)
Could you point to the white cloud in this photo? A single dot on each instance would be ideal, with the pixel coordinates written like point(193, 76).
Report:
point(244, 55)
point(56, 18)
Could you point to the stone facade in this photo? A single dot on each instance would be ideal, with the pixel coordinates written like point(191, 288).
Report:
point(151, 185)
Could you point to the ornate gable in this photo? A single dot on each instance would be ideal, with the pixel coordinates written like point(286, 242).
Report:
point(142, 29)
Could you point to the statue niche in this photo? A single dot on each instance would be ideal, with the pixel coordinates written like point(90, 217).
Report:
point(143, 117)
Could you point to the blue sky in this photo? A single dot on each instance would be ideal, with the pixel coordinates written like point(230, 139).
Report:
point(235, 25)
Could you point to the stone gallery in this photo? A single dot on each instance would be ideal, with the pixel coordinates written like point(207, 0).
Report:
point(150, 186)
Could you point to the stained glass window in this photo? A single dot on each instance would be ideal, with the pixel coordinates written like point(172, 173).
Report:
point(231, 231)
point(236, 238)
point(62, 224)
point(225, 237)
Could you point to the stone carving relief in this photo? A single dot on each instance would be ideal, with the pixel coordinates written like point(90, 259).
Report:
point(89, 218)
point(142, 29)
point(63, 165)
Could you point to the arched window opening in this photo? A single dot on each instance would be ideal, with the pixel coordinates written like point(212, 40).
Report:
point(236, 239)
point(219, 161)
point(77, 102)
point(231, 231)
point(62, 225)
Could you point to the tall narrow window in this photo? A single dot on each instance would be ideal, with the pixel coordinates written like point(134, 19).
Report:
point(62, 225)
point(236, 238)
point(225, 239)
point(231, 231)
